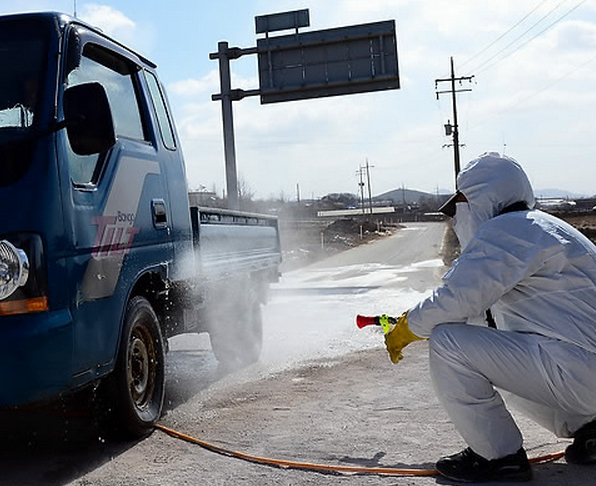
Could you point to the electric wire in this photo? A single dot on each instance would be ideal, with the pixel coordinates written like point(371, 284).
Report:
point(544, 17)
point(504, 34)
point(533, 94)
point(545, 88)
point(479, 70)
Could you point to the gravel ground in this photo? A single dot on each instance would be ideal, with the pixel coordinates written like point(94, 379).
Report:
point(359, 410)
point(356, 410)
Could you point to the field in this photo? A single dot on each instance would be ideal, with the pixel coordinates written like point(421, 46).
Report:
point(307, 242)
point(584, 221)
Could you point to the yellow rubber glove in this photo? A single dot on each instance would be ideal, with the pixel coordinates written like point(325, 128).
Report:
point(398, 337)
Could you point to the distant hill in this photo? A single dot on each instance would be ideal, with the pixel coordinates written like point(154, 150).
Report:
point(412, 196)
point(558, 193)
point(407, 195)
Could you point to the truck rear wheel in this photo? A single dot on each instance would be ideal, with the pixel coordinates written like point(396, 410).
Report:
point(136, 387)
point(237, 333)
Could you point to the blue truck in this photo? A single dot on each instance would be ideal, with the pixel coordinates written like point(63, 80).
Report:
point(102, 258)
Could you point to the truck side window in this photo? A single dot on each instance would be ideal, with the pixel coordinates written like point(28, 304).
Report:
point(163, 116)
point(116, 75)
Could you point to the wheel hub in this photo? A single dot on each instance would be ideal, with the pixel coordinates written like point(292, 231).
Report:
point(139, 364)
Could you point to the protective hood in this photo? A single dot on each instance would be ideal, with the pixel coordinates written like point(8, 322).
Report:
point(491, 183)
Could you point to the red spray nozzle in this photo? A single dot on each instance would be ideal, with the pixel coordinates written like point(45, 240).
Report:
point(384, 321)
point(363, 321)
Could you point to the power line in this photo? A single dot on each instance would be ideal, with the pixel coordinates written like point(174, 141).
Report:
point(529, 40)
point(522, 35)
point(504, 34)
point(528, 97)
point(546, 87)
point(535, 93)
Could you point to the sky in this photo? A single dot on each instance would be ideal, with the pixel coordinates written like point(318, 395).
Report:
point(532, 96)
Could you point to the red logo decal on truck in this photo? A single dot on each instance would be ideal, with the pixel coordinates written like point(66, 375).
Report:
point(115, 235)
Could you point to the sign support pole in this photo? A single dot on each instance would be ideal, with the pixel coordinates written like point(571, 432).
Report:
point(227, 95)
point(227, 113)
point(375, 70)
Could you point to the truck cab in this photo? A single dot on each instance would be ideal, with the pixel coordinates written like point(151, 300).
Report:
point(96, 229)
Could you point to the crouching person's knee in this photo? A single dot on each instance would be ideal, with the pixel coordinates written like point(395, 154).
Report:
point(445, 355)
point(446, 335)
point(447, 339)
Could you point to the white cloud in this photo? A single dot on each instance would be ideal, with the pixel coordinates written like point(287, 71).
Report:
point(296, 142)
point(110, 20)
point(193, 87)
point(577, 35)
point(287, 141)
point(528, 101)
point(118, 25)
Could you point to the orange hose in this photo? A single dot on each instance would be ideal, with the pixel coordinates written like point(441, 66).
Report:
point(547, 457)
point(322, 467)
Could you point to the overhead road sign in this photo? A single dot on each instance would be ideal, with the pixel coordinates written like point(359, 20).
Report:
point(345, 60)
point(331, 62)
point(282, 21)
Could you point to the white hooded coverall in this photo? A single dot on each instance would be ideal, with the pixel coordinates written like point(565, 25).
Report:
point(537, 274)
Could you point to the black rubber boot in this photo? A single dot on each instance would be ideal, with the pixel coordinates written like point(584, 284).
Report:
point(583, 449)
point(469, 467)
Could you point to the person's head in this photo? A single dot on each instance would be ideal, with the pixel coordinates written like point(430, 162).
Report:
point(486, 187)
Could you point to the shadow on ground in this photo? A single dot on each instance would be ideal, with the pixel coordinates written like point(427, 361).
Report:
point(58, 442)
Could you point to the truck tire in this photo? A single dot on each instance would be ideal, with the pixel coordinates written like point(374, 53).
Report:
point(136, 387)
point(237, 334)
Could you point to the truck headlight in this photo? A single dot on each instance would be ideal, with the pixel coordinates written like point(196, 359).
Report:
point(14, 269)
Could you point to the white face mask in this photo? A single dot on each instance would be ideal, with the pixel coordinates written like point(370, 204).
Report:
point(464, 224)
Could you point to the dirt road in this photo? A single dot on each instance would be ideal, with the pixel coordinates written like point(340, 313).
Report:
point(356, 410)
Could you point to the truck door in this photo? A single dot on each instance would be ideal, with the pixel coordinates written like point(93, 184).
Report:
point(117, 201)
point(175, 177)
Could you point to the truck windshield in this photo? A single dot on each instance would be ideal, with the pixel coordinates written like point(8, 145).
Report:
point(22, 60)
point(23, 67)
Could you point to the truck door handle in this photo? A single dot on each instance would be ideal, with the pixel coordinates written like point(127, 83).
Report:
point(160, 215)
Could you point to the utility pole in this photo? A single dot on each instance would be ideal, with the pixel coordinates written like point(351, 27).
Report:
point(361, 184)
point(368, 167)
point(453, 129)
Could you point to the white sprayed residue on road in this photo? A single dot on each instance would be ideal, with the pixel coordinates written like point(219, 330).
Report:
point(312, 311)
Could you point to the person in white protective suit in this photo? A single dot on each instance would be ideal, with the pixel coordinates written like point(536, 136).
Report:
point(536, 275)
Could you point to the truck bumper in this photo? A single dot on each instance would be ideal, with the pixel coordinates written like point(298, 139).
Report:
point(36, 352)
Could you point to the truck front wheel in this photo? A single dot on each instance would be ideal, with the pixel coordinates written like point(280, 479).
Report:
point(137, 384)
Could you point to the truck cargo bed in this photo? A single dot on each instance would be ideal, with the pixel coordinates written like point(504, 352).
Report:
point(231, 241)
